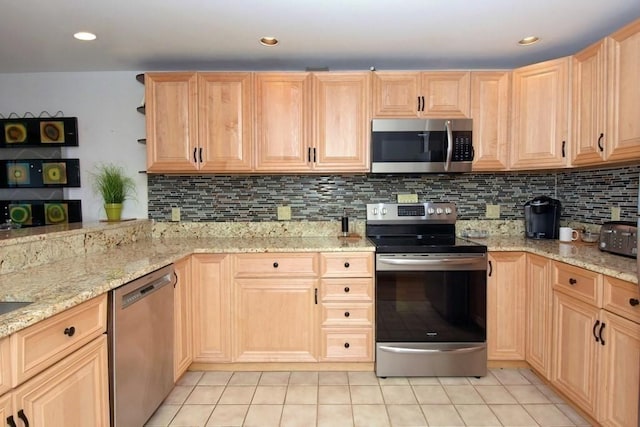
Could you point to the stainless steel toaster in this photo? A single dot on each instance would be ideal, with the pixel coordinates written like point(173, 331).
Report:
point(619, 237)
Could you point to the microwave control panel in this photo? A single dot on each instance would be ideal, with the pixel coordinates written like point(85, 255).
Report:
point(462, 147)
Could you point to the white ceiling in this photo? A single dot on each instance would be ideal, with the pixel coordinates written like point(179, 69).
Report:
point(340, 34)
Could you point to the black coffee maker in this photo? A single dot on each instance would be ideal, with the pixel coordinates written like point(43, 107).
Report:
point(542, 218)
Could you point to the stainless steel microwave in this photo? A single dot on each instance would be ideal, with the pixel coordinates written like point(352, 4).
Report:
point(421, 145)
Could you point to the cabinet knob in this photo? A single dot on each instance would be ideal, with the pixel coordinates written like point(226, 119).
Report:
point(346, 289)
point(572, 281)
point(634, 301)
point(70, 331)
point(347, 314)
point(275, 265)
point(346, 345)
point(346, 264)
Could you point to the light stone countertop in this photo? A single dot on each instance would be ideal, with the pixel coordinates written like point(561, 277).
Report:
point(57, 286)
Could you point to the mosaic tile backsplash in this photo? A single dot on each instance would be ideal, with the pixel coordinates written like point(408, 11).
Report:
point(586, 196)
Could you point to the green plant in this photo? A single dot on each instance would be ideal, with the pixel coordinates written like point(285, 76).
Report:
point(111, 182)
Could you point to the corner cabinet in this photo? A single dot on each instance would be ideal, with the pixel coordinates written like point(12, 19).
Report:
point(198, 122)
point(540, 115)
point(506, 306)
point(539, 321)
point(312, 122)
point(183, 329)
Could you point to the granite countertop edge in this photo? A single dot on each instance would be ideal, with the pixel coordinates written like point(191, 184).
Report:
point(60, 285)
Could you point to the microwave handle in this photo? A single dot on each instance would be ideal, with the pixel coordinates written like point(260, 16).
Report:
point(447, 164)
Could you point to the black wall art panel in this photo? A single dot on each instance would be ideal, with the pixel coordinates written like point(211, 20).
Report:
point(39, 132)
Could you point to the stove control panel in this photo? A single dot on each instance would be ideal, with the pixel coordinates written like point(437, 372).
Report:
point(415, 212)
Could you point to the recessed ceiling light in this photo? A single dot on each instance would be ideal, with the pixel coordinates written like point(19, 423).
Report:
point(528, 41)
point(84, 36)
point(268, 41)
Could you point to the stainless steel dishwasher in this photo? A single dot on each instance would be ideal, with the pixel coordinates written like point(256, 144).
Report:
point(140, 346)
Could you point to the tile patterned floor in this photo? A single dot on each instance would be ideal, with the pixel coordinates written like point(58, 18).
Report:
point(505, 397)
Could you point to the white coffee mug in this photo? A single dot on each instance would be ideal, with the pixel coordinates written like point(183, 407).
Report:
point(567, 249)
point(567, 234)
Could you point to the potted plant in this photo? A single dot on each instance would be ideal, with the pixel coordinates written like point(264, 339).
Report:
point(111, 182)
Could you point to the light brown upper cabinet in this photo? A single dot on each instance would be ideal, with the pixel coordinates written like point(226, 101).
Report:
point(540, 115)
point(312, 122)
point(198, 122)
point(421, 94)
point(490, 98)
point(624, 99)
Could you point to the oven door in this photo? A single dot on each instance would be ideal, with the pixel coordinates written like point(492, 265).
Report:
point(431, 314)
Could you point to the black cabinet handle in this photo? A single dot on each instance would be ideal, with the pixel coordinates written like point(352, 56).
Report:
point(346, 264)
point(23, 417)
point(346, 289)
point(10, 421)
point(314, 155)
point(315, 295)
point(602, 325)
point(418, 104)
point(347, 314)
point(200, 154)
point(70, 331)
point(572, 281)
point(195, 160)
point(422, 97)
point(595, 326)
point(633, 302)
point(564, 143)
point(490, 268)
point(275, 265)
point(600, 147)
point(309, 155)
point(346, 345)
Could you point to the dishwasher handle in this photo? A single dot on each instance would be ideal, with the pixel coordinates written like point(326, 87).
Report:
point(147, 287)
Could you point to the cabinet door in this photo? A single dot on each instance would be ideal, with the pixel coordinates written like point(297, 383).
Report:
point(589, 106)
point(446, 94)
point(620, 371)
point(183, 350)
point(624, 91)
point(540, 116)
point(506, 306)
point(5, 366)
point(6, 408)
point(283, 131)
point(395, 94)
point(72, 393)
point(341, 121)
point(490, 97)
point(172, 122)
point(225, 121)
point(211, 301)
point(539, 313)
point(275, 320)
point(575, 352)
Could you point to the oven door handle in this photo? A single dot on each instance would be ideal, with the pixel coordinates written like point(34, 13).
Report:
point(414, 262)
point(430, 350)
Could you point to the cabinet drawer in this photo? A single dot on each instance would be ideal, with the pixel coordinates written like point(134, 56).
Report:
point(275, 264)
point(578, 282)
point(346, 264)
point(353, 314)
point(347, 290)
point(348, 345)
point(622, 298)
point(43, 344)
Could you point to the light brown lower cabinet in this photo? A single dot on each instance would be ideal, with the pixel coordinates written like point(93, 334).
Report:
point(183, 329)
point(539, 321)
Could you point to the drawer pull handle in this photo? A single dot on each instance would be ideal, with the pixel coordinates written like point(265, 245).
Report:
point(634, 301)
point(347, 314)
point(346, 264)
point(572, 281)
point(23, 417)
point(275, 265)
point(346, 289)
point(70, 331)
point(346, 345)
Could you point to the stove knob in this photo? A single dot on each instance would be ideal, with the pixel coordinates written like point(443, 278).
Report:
point(439, 211)
point(375, 211)
point(448, 211)
point(431, 211)
point(384, 211)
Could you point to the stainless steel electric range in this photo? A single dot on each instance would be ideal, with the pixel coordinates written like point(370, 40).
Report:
point(431, 289)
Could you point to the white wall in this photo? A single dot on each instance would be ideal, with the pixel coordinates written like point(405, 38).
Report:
point(108, 125)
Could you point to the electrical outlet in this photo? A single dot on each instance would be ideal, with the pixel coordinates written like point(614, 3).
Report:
point(175, 214)
point(615, 213)
point(493, 211)
point(284, 213)
point(407, 198)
